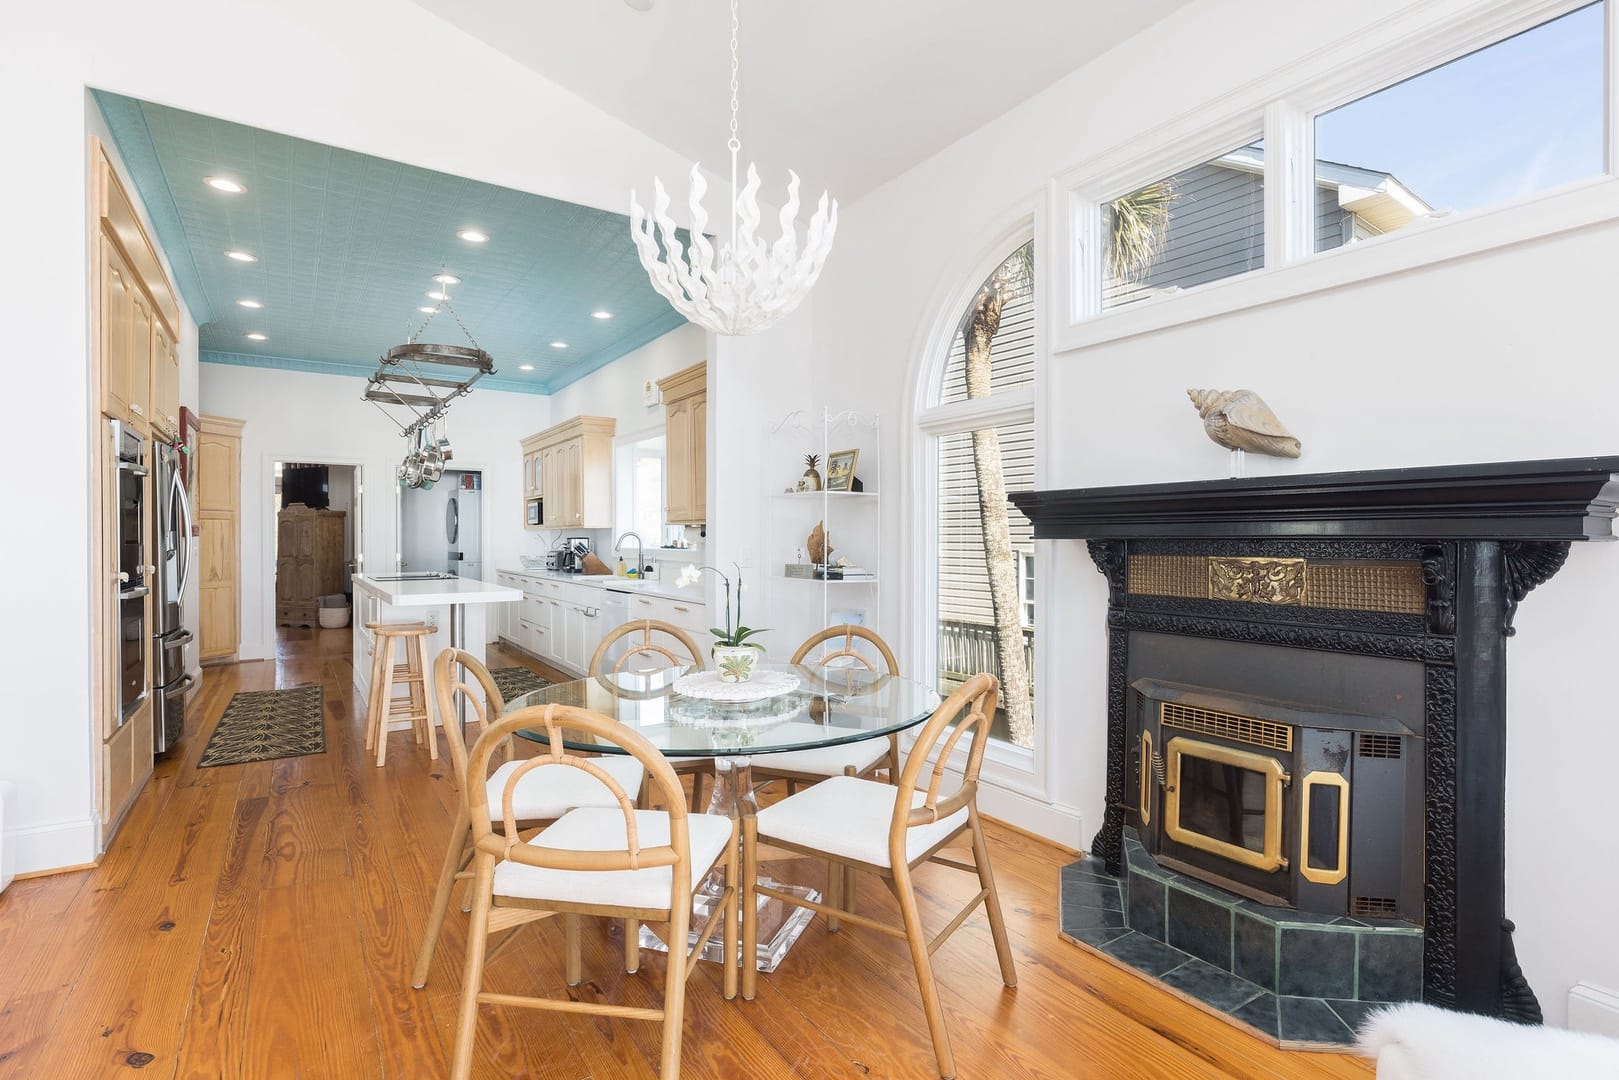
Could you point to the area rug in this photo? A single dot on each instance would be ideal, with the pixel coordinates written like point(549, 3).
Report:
point(262, 724)
point(514, 682)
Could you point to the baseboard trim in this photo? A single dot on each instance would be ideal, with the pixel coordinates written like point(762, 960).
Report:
point(55, 846)
point(1053, 823)
point(53, 871)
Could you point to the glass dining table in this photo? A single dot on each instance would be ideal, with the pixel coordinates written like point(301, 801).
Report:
point(820, 707)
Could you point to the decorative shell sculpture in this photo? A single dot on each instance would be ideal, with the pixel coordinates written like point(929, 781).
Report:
point(1240, 420)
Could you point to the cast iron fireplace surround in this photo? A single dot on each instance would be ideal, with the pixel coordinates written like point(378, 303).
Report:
point(1480, 537)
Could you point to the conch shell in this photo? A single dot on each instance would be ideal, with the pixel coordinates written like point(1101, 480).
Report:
point(1240, 420)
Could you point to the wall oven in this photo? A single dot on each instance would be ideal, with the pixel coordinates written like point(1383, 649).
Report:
point(129, 614)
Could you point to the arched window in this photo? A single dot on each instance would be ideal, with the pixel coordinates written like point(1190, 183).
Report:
point(980, 445)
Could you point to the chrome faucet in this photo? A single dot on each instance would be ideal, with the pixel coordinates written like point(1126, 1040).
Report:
point(640, 552)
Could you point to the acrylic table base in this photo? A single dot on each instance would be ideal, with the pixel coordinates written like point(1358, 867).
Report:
point(779, 924)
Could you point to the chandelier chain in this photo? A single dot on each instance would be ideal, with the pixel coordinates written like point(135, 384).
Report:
point(735, 143)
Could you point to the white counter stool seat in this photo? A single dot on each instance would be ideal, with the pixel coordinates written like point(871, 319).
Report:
point(540, 795)
point(619, 863)
point(890, 830)
point(382, 708)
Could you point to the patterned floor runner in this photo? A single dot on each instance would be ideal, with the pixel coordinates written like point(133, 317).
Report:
point(262, 724)
point(517, 681)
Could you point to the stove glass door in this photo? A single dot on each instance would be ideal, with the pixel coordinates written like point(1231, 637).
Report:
point(1225, 801)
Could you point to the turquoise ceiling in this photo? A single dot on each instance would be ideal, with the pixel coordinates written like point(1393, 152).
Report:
point(348, 245)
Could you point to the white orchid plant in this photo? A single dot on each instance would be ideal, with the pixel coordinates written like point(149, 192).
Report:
point(735, 634)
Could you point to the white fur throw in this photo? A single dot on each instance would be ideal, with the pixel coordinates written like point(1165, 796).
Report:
point(1421, 1042)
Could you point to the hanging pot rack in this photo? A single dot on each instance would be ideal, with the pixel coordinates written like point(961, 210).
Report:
point(399, 377)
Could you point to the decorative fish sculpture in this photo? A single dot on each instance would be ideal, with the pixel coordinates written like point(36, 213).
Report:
point(1240, 420)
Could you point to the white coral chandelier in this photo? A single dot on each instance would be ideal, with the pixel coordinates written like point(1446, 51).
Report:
point(752, 284)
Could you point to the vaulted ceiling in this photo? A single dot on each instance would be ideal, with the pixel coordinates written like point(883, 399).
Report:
point(849, 93)
point(347, 246)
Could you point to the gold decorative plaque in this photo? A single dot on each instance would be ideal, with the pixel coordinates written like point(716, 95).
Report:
point(1257, 581)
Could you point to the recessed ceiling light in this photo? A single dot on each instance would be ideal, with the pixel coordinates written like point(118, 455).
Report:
point(225, 184)
point(446, 279)
point(559, 344)
point(254, 304)
point(255, 336)
point(241, 256)
point(473, 236)
point(427, 310)
point(601, 314)
point(525, 367)
point(436, 294)
point(639, 5)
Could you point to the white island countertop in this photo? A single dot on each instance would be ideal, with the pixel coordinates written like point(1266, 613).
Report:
point(429, 592)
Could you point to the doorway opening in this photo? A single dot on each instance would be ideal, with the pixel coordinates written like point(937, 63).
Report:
point(315, 541)
point(441, 526)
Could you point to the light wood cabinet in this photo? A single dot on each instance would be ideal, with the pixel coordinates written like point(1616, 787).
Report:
point(165, 383)
point(116, 292)
point(308, 563)
point(574, 464)
point(685, 402)
point(219, 471)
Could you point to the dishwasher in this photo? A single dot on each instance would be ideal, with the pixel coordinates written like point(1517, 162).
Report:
point(615, 612)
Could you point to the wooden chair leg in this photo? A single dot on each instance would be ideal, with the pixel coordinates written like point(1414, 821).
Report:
point(851, 885)
point(834, 894)
point(575, 949)
point(750, 906)
point(697, 804)
point(383, 695)
point(632, 946)
point(674, 990)
point(992, 903)
point(733, 900)
point(917, 938)
point(483, 880)
point(454, 859)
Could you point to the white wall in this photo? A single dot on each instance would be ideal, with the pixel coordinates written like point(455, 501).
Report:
point(300, 67)
point(1499, 356)
point(297, 416)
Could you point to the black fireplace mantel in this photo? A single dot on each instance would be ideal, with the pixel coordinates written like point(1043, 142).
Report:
point(1564, 499)
point(1485, 535)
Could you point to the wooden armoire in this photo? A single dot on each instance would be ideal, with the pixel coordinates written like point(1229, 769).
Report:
point(308, 562)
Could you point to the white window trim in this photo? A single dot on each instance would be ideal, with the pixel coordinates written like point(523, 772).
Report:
point(1025, 771)
point(1280, 107)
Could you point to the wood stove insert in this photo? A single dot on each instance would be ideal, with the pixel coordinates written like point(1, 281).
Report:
point(1367, 614)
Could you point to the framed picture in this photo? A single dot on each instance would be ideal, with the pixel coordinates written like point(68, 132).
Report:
point(840, 470)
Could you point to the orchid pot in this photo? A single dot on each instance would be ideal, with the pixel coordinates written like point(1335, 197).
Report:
point(736, 662)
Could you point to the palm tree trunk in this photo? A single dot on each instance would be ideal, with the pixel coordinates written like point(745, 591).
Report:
point(983, 323)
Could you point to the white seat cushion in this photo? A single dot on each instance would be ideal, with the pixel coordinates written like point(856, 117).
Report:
point(848, 816)
point(823, 760)
point(593, 829)
point(552, 790)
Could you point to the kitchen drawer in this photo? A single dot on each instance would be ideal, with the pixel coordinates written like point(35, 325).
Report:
point(685, 614)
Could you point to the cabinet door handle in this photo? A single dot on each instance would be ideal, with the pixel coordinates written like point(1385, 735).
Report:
point(681, 607)
point(643, 600)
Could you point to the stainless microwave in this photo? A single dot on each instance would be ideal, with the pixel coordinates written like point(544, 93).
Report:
point(536, 512)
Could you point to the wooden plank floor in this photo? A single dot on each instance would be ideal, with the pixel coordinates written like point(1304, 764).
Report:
point(259, 921)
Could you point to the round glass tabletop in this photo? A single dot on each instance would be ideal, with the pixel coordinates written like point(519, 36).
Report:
point(828, 707)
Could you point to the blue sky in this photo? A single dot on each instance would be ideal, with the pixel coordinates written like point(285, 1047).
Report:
point(1518, 117)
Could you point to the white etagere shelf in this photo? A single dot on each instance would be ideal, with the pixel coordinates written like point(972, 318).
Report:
point(852, 519)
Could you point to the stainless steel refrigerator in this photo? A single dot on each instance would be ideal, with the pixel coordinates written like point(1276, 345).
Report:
point(172, 515)
point(441, 526)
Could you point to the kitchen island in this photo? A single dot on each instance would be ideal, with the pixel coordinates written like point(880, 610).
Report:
point(453, 606)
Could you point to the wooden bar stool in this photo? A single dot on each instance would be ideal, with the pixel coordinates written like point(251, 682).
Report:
point(383, 708)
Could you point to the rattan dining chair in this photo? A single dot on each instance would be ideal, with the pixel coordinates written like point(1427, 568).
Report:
point(676, 647)
point(617, 862)
point(802, 767)
point(890, 830)
point(544, 795)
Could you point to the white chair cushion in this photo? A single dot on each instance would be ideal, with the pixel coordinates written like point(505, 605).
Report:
point(823, 760)
point(848, 816)
point(593, 829)
point(552, 790)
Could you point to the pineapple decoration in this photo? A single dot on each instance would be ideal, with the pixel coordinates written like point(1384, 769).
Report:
point(812, 476)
